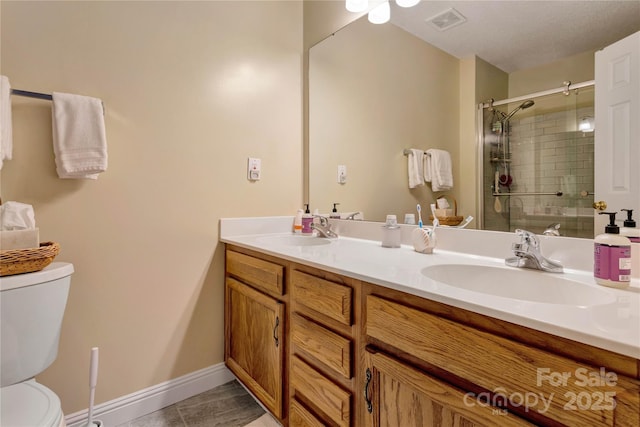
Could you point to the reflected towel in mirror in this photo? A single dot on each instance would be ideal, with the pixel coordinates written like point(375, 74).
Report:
point(438, 169)
point(415, 162)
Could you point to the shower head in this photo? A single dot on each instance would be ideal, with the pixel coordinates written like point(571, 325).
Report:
point(526, 104)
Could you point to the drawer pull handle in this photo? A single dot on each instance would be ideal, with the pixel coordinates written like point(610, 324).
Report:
point(367, 398)
point(275, 331)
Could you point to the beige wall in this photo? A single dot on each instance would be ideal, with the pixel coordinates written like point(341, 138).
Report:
point(191, 90)
point(577, 68)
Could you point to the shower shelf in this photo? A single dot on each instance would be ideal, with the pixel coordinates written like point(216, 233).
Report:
point(498, 160)
point(557, 193)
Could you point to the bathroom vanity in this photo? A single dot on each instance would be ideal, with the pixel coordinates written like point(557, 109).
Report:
point(347, 333)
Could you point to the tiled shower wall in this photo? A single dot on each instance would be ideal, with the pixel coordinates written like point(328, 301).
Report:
point(548, 155)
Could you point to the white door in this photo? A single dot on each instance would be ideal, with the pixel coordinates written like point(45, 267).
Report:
point(617, 129)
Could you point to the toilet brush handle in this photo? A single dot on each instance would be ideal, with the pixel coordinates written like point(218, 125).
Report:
point(93, 370)
point(93, 380)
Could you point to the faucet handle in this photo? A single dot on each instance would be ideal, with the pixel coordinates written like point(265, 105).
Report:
point(323, 220)
point(528, 238)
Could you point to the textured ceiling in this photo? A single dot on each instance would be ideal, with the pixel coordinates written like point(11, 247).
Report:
point(520, 34)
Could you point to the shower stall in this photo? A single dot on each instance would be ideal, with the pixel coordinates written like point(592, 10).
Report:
point(537, 162)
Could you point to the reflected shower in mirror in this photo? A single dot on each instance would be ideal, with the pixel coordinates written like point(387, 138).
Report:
point(538, 165)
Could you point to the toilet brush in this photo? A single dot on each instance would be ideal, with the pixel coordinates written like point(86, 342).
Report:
point(93, 380)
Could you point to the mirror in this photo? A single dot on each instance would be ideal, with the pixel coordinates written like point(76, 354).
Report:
point(395, 92)
point(366, 117)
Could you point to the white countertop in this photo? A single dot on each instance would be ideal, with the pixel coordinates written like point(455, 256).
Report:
point(613, 324)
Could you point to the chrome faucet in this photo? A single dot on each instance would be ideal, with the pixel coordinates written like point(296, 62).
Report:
point(552, 230)
point(324, 228)
point(527, 254)
point(352, 216)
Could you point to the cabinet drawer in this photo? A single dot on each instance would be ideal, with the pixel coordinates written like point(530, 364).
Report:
point(299, 416)
point(254, 271)
point(329, 298)
point(327, 347)
point(310, 386)
point(499, 365)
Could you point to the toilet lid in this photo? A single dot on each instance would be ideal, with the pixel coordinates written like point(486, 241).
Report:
point(29, 404)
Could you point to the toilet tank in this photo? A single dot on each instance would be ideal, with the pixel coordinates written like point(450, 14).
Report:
point(31, 310)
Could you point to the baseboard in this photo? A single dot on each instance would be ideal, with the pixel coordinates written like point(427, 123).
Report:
point(126, 408)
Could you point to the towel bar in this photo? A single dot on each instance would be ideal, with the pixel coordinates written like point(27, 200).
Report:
point(39, 95)
point(32, 94)
point(407, 151)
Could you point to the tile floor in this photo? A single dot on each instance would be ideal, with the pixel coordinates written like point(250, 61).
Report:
point(228, 405)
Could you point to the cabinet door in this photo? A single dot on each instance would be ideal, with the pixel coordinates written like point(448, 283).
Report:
point(399, 395)
point(255, 351)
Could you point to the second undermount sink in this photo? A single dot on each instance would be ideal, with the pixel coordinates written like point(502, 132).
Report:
point(519, 284)
point(295, 240)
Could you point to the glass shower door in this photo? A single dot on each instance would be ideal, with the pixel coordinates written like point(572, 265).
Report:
point(538, 165)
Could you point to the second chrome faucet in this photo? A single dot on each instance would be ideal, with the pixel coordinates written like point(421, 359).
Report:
point(528, 255)
point(324, 228)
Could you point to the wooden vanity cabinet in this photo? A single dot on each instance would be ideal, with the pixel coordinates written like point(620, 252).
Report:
point(255, 320)
point(321, 349)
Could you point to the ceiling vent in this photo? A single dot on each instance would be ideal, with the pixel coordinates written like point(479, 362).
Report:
point(446, 20)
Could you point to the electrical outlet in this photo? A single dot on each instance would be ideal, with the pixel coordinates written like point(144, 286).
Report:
point(254, 169)
point(342, 174)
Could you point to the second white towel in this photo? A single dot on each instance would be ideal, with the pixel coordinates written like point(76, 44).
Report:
point(438, 169)
point(79, 136)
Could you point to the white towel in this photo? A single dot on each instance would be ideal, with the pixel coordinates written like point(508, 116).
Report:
point(6, 134)
point(415, 160)
point(79, 136)
point(438, 169)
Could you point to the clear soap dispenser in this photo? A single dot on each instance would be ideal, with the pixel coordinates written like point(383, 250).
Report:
point(392, 234)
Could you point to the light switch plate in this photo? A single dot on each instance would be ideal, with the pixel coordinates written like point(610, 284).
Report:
point(254, 169)
point(342, 174)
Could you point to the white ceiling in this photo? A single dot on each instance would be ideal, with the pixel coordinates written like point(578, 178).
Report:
point(520, 34)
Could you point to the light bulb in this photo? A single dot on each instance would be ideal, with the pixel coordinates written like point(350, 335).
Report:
point(585, 125)
point(357, 5)
point(380, 14)
point(407, 3)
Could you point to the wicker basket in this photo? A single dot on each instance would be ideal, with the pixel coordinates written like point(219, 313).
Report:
point(449, 220)
point(16, 261)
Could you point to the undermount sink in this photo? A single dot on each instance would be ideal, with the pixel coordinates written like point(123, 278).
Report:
point(519, 284)
point(295, 240)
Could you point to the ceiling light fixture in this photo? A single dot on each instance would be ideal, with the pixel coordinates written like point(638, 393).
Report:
point(357, 5)
point(380, 14)
point(407, 3)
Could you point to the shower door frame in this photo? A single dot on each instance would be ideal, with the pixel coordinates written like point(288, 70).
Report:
point(480, 133)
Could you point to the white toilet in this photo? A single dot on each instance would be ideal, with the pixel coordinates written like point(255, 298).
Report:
point(31, 310)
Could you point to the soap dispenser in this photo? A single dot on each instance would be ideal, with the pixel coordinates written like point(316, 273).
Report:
point(612, 256)
point(391, 235)
point(629, 229)
point(334, 213)
point(307, 220)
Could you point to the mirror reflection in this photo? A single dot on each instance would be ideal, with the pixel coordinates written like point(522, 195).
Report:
point(376, 91)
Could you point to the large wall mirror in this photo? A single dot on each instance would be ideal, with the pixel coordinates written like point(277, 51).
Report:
point(376, 90)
